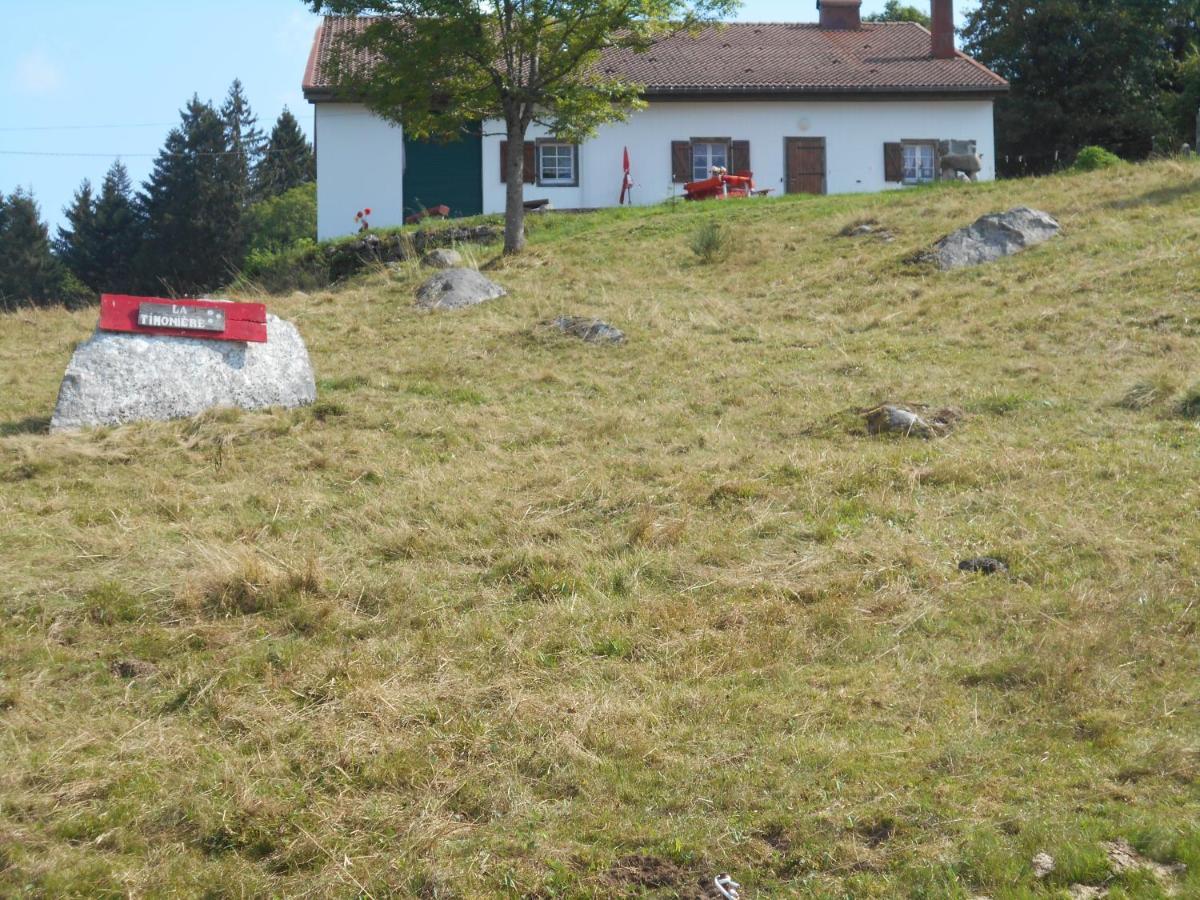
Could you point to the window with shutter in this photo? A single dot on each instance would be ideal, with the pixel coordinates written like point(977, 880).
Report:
point(707, 155)
point(893, 162)
point(739, 157)
point(530, 162)
point(681, 161)
point(557, 164)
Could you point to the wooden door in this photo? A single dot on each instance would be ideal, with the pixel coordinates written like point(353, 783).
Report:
point(805, 165)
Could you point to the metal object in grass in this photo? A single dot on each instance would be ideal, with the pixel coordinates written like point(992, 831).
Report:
point(727, 886)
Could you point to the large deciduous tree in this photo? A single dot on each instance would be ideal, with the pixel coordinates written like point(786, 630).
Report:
point(894, 11)
point(443, 66)
point(1082, 72)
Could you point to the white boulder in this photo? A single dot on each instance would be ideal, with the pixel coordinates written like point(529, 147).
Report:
point(119, 377)
point(993, 236)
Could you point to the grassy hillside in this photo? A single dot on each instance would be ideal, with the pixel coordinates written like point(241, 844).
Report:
point(509, 615)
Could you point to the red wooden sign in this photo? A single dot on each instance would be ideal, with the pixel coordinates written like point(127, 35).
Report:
point(184, 318)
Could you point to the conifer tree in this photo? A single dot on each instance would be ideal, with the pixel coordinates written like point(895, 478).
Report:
point(29, 273)
point(118, 229)
point(192, 208)
point(76, 241)
point(244, 137)
point(288, 161)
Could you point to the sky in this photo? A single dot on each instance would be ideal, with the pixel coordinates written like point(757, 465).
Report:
point(83, 82)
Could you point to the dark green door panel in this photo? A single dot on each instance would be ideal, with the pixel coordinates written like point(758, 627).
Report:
point(450, 174)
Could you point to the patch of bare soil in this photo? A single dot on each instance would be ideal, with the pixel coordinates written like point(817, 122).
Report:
point(640, 871)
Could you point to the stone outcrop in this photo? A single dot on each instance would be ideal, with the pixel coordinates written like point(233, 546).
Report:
point(115, 377)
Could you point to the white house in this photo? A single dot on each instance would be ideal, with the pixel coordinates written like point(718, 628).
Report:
point(830, 107)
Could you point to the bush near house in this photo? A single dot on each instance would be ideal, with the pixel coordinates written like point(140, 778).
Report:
point(510, 615)
point(1092, 158)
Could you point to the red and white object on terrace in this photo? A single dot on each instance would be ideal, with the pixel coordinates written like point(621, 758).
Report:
point(720, 186)
point(208, 319)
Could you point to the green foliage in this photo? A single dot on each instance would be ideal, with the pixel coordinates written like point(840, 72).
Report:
point(279, 222)
point(244, 138)
point(29, 272)
point(1092, 158)
point(710, 242)
point(1082, 72)
point(442, 66)
point(118, 233)
point(193, 208)
point(288, 160)
point(300, 266)
point(100, 242)
point(894, 12)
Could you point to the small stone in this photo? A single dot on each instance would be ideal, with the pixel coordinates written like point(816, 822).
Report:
point(988, 565)
point(456, 289)
point(132, 668)
point(896, 419)
point(119, 377)
point(593, 331)
point(1043, 865)
point(993, 236)
point(442, 259)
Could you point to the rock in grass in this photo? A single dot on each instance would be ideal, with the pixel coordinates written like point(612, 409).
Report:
point(442, 258)
point(116, 377)
point(1043, 864)
point(892, 418)
point(994, 236)
point(988, 565)
point(593, 331)
point(457, 288)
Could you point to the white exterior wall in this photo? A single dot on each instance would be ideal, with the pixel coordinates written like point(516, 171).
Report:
point(854, 132)
point(360, 163)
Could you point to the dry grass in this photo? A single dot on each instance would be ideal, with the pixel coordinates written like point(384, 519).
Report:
point(507, 614)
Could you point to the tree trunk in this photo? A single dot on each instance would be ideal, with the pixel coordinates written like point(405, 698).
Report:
point(514, 199)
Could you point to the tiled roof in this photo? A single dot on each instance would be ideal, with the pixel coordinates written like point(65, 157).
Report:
point(758, 58)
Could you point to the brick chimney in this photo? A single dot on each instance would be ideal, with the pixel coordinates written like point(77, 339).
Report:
point(942, 27)
point(840, 15)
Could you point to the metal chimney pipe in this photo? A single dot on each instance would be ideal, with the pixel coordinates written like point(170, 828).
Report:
point(942, 28)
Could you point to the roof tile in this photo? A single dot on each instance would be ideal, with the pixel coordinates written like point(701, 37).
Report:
point(741, 58)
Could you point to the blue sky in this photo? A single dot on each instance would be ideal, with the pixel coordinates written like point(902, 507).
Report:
point(85, 81)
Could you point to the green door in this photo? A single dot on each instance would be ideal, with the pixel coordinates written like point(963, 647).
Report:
point(444, 174)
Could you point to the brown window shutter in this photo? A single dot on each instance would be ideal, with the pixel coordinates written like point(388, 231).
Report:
point(530, 162)
point(503, 162)
point(893, 162)
point(739, 158)
point(681, 161)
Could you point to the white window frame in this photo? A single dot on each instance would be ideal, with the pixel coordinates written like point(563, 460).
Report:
point(704, 158)
point(914, 169)
point(562, 151)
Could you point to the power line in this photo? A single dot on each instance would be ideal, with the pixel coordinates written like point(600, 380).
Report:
point(84, 127)
point(137, 155)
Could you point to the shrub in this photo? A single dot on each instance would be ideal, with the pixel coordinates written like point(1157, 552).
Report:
point(1188, 405)
point(1092, 158)
point(710, 242)
point(283, 221)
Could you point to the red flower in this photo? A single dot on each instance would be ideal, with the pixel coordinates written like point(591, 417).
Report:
point(367, 211)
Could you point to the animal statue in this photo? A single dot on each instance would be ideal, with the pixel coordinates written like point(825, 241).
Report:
point(968, 164)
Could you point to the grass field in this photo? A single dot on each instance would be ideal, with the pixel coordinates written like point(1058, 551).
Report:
point(505, 614)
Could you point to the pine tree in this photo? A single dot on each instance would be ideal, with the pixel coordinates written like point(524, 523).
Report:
point(118, 227)
point(76, 242)
point(244, 137)
point(288, 161)
point(29, 273)
point(192, 208)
